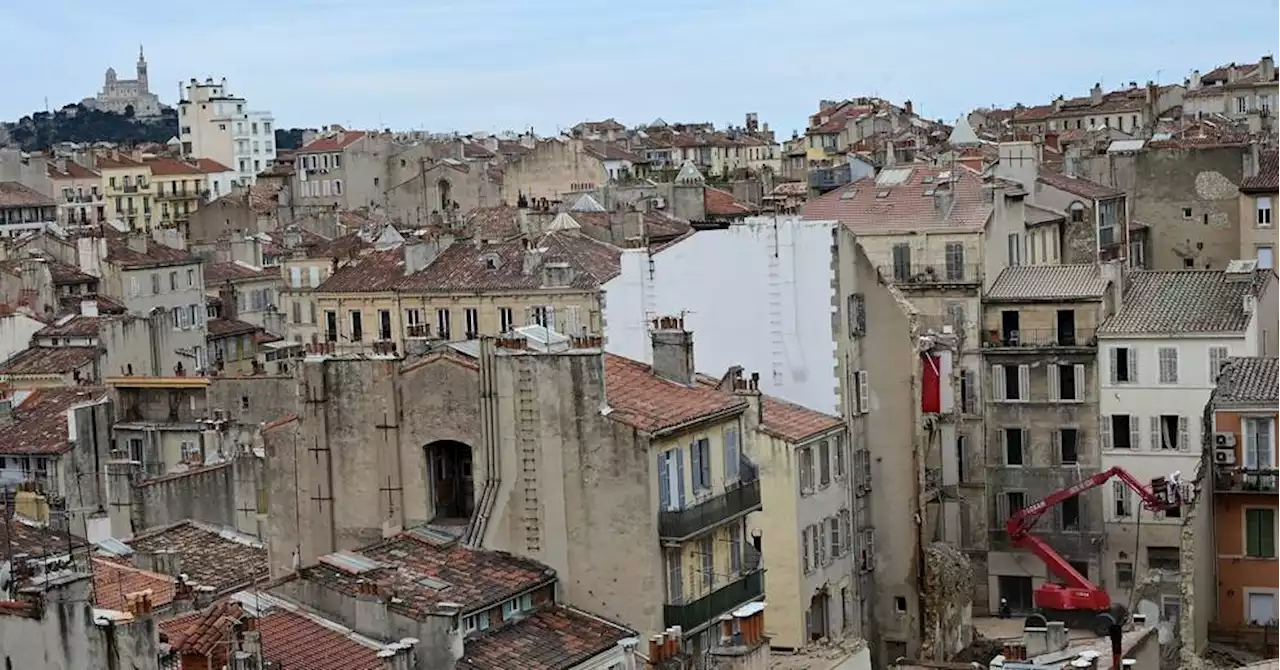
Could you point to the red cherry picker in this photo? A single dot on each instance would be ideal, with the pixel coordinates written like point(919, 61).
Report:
point(1079, 602)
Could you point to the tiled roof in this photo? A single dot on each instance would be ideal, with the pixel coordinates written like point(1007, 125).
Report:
point(1268, 175)
point(552, 638)
point(211, 557)
point(413, 569)
point(210, 166)
point(1248, 381)
point(71, 303)
point(718, 202)
point(1036, 215)
point(24, 537)
point(216, 273)
point(493, 223)
point(119, 253)
point(888, 204)
point(793, 423)
point(200, 633)
point(108, 162)
point(1170, 302)
point(14, 194)
point(643, 400)
point(611, 152)
point(298, 642)
point(338, 247)
point(39, 424)
point(60, 272)
point(48, 361)
point(1080, 186)
point(72, 170)
point(172, 167)
point(464, 267)
point(113, 582)
point(219, 328)
point(332, 142)
point(1048, 282)
point(174, 628)
point(76, 325)
point(264, 197)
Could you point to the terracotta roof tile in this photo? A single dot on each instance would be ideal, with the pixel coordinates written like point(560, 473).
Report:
point(896, 201)
point(107, 162)
point(641, 399)
point(371, 272)
point(219, 272)
point(554, 637)
point(1169, 302)
point(1268, 176)
point(264, 197)
point(48, 361)
point(174, 628)
point(119, 253)
point(113, 582)
point(493, 223)
point(1248, 381)
point(339, 247)
point(721, 203)
point(413, 567)
point(1048, 282)
point(39, 424)
point(1036, 215)
point(72, 170)
point(211, 557)
point(61, 272)
point(332, 142)
point(1085, 188)
point(792, 422)
point(14, 194)
point(75, 325)
point(220, 328)
point(24, 537)
point(297, 642)
point(201, 632)
point(210, 166)
point(71, 303)
point(171, 167)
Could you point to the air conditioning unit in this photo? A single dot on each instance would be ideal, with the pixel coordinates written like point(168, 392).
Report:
point(1222, 440)
point(1224, 456)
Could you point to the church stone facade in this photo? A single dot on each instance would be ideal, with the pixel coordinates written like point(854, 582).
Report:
point(119, 94)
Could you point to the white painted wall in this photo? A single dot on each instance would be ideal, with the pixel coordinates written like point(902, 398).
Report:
point(16, 331)
point(1148, 397)
point(758, 294)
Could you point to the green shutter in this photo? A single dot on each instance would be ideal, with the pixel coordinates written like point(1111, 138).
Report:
point(1260, 536)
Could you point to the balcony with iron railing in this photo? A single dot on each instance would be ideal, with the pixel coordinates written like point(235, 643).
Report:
point(418, 330)
point(708, 608)
point(932, 275)
point(1022, 339)
point(828, 178)
point(180, 194)
point(737, 500)
point(1247, 480)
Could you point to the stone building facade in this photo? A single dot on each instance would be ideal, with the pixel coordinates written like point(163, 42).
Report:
point(118, 95)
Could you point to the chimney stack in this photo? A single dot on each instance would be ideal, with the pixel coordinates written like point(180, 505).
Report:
point(1096, 93)
point(672, 350)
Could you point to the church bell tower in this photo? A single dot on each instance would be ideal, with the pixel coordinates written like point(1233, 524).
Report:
point(142, 71)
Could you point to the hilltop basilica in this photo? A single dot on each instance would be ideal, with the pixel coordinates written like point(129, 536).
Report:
point(117, 94)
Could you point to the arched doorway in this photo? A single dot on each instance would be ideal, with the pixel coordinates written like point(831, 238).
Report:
point(451, 481)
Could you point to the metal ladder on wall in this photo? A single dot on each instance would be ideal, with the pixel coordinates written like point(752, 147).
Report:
point(527, 431)
point(778, 347)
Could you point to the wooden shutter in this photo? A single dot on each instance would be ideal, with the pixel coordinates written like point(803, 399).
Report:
point(1133, 366)
point(1004, 445)
point(1184, 434)
point(1053, 382)
point(1024, 383)
point(696, 455)
point(1115, 365)
point(1104, 431)
point(664, 482)
point(997, 382)
point(678, 457)
point(1078, 370)
point(1155, 434)
point(864, 392)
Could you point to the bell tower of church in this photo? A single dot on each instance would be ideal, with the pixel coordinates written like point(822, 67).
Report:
point(142, 71)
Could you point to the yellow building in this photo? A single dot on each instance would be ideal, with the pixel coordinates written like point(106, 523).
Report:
point(78, 191)
point(420, 291)
point(703, 485)
point(1258, 199)
point(178, 189)
point(126, 182)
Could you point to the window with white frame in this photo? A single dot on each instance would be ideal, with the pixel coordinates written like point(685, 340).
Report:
point(1259, 443)
point(862, 380)
point(675, 576)
point(1124, 365)
point(1169, 432)
point(1168, 358)
point(1260, 607)
point(700, 455)
point(1260, 532)
point(1066, 382)
point(805, 463)
point(1242, 104)
point(1121, 500)
point(1011, 383)
point(1264, 212)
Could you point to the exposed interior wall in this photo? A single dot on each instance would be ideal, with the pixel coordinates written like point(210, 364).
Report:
point(1198, 583)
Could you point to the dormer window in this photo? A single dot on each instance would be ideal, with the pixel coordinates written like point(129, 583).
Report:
point(491, 261)
point(556, 275)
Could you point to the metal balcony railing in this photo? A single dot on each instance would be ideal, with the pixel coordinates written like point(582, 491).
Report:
point(1247, 480)
point(924, 275)
point(129, 188)
point(724, 599)
point(418, 330)
point(682, 524)
point(1039, 337)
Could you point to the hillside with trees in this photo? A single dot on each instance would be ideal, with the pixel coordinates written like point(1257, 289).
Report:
point(77, 123)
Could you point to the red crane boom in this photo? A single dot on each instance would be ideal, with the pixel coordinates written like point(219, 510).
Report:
point(1079, 594)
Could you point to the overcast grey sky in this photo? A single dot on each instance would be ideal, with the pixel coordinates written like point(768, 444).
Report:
point(472, 65)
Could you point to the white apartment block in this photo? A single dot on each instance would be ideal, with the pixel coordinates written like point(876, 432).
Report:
point(1160, 354)
point(216, 125)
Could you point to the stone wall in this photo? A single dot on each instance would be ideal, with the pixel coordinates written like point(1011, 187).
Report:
point(948, 602)
point(1190, 199)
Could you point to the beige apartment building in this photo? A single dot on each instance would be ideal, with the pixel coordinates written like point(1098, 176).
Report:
point(127, 186)
point(1259, 194)
point(462, 291)
point(308, 262)
point(79, 192)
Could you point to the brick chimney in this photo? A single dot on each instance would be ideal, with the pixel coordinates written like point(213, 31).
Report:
point(1096, 93)
point(672, 350)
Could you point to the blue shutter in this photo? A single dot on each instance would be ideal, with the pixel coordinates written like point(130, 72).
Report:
point(664, 483)
point(731, 452)
point(678, 457)
point(696, 454)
